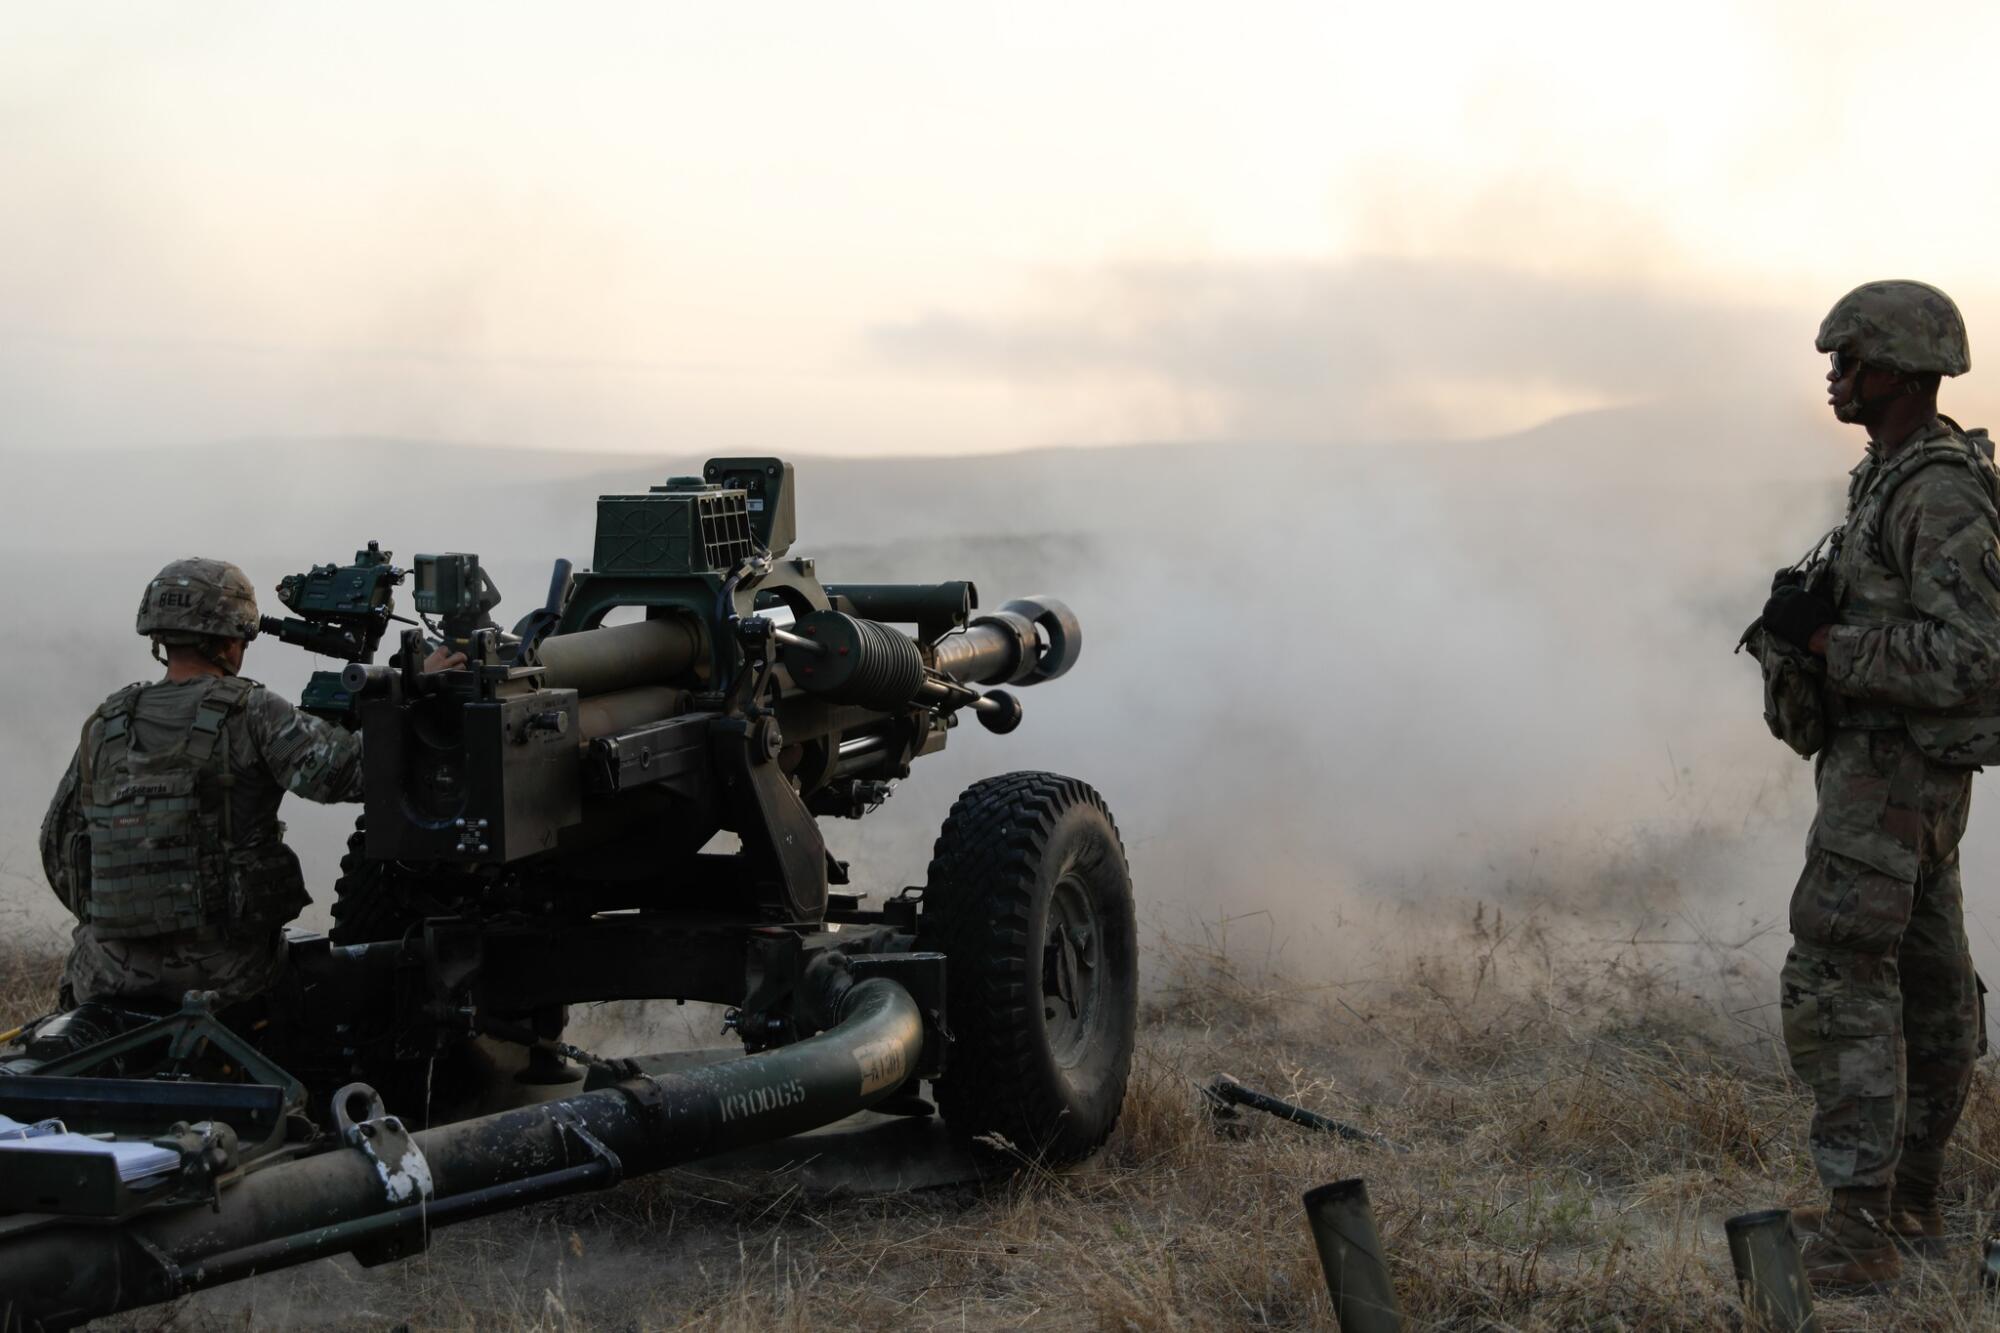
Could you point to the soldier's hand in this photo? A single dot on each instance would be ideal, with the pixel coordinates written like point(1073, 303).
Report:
point(1797, 616)
point(443, 658)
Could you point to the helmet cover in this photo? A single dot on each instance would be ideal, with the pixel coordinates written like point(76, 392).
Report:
point(196, 598)
point(1902, 325)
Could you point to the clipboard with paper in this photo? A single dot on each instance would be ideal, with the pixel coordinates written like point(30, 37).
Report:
point(133, 1161)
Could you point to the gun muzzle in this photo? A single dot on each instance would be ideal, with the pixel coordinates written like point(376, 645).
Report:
point(865, 662)
point(1025, 642)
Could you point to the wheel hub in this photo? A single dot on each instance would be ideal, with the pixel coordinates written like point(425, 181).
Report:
point(1069, 971)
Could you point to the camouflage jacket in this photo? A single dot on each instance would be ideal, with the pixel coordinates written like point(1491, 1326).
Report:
point(1917, 579)
point(273, 748)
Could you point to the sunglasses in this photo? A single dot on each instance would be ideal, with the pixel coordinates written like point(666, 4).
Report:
point(1842, 363)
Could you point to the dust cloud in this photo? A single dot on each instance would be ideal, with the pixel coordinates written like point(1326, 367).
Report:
point(1360, 688)
point(1360, 350)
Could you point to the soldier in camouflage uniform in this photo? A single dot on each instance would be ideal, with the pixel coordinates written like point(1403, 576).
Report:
point(1881, 1009)
point(163, 837)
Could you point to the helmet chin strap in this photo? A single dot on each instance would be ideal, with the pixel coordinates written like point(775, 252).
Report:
point(1865, 408)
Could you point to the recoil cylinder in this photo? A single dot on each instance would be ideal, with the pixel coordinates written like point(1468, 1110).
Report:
point(857, 661)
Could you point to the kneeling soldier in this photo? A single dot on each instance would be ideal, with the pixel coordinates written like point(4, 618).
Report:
point(163, 837)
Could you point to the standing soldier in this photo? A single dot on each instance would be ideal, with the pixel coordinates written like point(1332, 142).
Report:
point(1899, 640)
point(163, 837)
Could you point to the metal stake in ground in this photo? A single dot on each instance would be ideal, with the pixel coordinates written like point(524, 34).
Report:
point(1350, 1252)
point(1225, 1092)
point(1770, 1273)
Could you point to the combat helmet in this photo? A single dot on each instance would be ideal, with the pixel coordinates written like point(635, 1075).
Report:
point(193, 599)
point(1902, 325)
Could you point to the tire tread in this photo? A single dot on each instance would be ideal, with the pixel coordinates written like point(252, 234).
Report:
point(978, 905)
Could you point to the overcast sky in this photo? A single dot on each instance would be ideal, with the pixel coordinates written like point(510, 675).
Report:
point(898, 228)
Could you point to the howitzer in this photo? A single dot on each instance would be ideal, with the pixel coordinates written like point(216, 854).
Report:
point(541, 829)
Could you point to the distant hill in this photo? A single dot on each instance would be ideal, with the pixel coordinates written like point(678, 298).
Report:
point(294, 497)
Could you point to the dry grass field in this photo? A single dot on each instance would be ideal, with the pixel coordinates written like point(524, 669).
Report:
point(1578, 1122)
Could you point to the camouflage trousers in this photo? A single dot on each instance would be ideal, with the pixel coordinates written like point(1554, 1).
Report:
point(1881, 1008)
point(238, 962)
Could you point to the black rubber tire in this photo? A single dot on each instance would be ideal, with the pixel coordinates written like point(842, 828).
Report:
point(373, 900)
point(384, 900)
point(1020, 858)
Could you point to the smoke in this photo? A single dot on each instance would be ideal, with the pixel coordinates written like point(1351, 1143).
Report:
point(1362, 350)
point(1317, 679)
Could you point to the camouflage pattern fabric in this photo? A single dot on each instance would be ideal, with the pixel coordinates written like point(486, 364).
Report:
point(1880, 1004)
point(197, 597)
point(239, 963)
point(162, 858)
point(273, 748)
point(1885, 1039)
point(1917, 580)
point(1908, 326)
point(64, 841)
point(1794, 691)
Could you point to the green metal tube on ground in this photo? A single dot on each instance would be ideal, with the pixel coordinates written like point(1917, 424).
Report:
point(1227, 1092)
point(1350, 1253)
point(298, 1211)
point(1776, 1296)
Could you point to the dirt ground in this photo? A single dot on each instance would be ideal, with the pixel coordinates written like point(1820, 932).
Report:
point(1577, 1118)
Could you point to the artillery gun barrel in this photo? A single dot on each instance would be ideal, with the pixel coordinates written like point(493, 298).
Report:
point(620, 657)
point(989, 652)
point(867, 663)
point(1027, 641)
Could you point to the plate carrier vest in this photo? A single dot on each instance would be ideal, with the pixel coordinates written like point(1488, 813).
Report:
point(1871, 593)
point(163, 857)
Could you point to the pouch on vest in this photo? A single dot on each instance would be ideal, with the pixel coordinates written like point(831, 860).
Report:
point(75, 892)
point(158, 850)
point(1794, 699)
point(146, 856)
point(1794, 695)
point(266, 884)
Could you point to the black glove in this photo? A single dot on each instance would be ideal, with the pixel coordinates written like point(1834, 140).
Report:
point(1794, 613)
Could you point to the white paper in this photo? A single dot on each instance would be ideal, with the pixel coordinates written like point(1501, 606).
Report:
point(135, 1161)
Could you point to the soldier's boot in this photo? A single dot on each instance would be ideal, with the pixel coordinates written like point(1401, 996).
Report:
point(1851, 1246)
point(1918, 1229)
point(1915, 1219)
point(1915, 1222)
